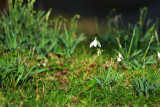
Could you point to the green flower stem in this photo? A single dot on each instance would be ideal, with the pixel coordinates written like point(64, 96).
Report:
point(101, 65)
point(147, 51)
point(130, 47)
point(156, 35)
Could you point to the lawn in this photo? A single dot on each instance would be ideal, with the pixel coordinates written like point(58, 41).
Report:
point(49, 62)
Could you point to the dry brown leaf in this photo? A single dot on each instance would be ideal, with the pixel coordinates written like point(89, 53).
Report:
point(50, 78)
point(77, 72)
point(74, 100)
point(58, 73)
point(85, 74)
point(86, 68)
point(52, 56)
point(65, 72)
point(63, 81)
point(105, 66)
point(62, 88)
point(154, 67)
point(61, 64)
point(124, 67)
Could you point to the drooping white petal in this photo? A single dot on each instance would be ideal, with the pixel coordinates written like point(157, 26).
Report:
point(95, 43)
point(98, 44)
point(158, 55)
point(120, 56)
point(44, 64)
point(91, 44)
point(118, 59)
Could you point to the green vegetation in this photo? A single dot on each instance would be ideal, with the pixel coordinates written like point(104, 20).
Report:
point(42, 63)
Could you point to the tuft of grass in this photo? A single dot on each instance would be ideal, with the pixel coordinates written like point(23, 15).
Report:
point(69, 40)
point(144, 87)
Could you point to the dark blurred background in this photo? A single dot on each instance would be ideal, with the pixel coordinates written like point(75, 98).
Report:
point(100, 8)
point(91, 9)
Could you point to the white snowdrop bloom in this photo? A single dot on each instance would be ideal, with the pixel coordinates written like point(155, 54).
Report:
point(120, 56)
point(158, 55)
point(44, 64)
point(119, 59)
point(95, 43)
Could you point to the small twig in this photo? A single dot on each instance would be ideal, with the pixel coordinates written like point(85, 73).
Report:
point(22, 93)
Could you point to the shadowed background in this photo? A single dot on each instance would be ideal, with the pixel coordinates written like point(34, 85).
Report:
point(91, 9)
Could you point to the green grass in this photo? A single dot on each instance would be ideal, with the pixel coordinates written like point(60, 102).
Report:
point(71, 82)
point(54, 70)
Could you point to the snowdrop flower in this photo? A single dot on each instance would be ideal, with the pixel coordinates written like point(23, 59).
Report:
point(119, 59)
point(44, 64)
point(120, 56)
point(158, 55)
point(95, 43)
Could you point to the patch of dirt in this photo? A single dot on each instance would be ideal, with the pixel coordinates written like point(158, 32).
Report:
point(60, 72)
point(92, 66)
